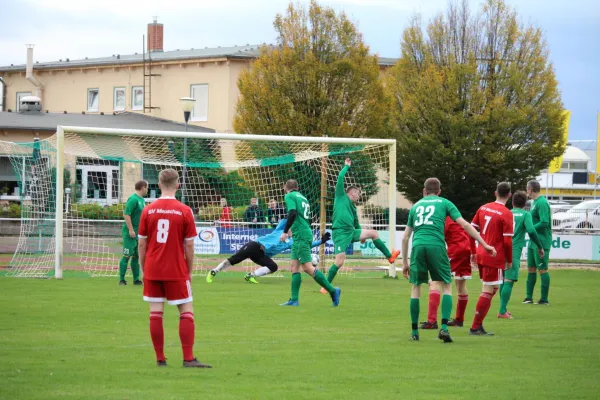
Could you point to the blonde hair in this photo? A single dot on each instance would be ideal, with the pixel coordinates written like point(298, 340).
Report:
point(168, 178)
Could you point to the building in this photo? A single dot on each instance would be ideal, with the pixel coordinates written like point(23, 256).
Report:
point(576, 179)
point(150, 82)
point(105, 183)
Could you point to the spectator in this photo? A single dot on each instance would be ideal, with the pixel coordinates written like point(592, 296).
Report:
point(254, 214)
point(274, 213)
point(225, 218)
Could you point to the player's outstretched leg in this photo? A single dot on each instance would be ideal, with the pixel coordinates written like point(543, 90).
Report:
point(213, 272)
point(340, 258)
point(268, 267)
point(321, 280)
point(374, 236)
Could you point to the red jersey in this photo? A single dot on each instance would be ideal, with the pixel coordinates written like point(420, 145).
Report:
point(166, 224)
point(457, 239)
point(495, 224)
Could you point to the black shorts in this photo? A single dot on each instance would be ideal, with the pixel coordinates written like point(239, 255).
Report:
point(256, 252)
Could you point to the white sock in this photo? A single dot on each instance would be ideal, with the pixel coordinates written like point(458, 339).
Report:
point(262, 271)
point(222, 266)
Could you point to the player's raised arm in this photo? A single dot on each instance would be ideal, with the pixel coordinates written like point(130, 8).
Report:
point(339, 186)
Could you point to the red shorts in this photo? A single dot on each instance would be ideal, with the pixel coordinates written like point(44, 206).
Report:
point(490, 276)
point(175, 292)
point(460, 265)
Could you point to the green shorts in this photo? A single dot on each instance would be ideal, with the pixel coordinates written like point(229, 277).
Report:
point(301, 251)
point(534, 260)
point(130, 246)
point(426, 261)
point(343, 238)
point(512, 272)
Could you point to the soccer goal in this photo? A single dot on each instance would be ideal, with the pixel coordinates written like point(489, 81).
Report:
point(74, 185)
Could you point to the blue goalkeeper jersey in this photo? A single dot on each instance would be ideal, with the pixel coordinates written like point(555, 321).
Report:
point(273, 245)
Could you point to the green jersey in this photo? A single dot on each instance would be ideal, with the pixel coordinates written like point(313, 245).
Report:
point(134, 206)
point(301, 226)
point(541, 214)
point(427, 218)
point(344, 210)
point(523, 224)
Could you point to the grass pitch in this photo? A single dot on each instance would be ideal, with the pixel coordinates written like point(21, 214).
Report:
point(87, 338)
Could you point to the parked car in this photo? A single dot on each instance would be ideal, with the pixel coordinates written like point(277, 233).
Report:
point(555, 205)
point(584, 215)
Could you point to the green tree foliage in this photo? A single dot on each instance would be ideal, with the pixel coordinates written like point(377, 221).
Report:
point(475, 102)
point(319, 80)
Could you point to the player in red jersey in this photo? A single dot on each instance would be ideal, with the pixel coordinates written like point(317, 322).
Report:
point(166, 251)
point(496, 224)
point(459, 253)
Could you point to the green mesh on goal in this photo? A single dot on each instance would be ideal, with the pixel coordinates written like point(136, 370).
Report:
point(219, 180)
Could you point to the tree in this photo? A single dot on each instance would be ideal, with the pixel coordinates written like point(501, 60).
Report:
point(474, 102)
point(319, 80)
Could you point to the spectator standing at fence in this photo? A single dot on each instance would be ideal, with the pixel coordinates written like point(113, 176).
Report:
point(274, 213)
point(254, 214)
point(132, 214)
point(225, 218)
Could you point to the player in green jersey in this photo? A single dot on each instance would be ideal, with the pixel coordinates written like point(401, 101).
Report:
point(541, 215)
point(346, 229)
point(133, 211)
point(522, 224)
point(298, 220)
point(429, 257)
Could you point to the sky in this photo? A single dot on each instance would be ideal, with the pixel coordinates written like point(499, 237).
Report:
point(90, 28)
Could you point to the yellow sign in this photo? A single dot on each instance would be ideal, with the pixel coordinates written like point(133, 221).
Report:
point(557, 162)
point(571, 192)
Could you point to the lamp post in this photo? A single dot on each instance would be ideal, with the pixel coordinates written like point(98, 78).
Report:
point(187, 105)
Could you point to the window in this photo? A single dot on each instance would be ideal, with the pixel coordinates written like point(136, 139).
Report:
point(119, 99)
point(93, 100)
point(19, 96)
point(137, 98)
point(200, 111)
point(578, 165)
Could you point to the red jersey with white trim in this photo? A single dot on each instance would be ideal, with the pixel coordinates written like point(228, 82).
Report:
point(457, 239)
point(495, 223)
point(166, 224)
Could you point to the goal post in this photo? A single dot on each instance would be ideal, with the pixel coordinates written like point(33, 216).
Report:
point(94, 170)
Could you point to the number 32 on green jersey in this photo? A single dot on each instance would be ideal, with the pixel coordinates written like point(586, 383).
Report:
point(423, 215)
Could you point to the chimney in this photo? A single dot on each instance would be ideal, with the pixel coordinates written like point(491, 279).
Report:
point(155, 36)
point(29, 72)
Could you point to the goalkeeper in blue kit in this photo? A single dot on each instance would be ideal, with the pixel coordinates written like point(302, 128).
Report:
point(261, 252)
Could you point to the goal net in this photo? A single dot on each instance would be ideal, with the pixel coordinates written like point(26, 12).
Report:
point(233, 183)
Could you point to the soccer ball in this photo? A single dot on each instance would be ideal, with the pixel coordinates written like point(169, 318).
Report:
point(315, 260)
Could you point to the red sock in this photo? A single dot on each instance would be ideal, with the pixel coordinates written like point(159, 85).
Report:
point(463, 299)
point(157, 334)
point(186, 335)
point(482, 308)
point(434, 304)
point(495, 291)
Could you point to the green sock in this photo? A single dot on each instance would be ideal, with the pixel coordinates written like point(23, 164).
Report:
point(505, 296)
point(545, 285)
point(446, 310)
point(382, 248)
point(333, 270)
point(135, 268)
point(321, 280)
point(296, 282)
point(123, 267)
point(414, 315)
point(531, 278)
